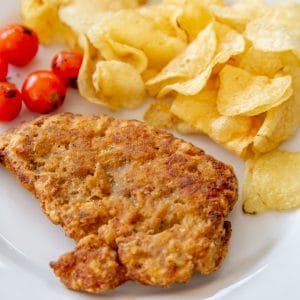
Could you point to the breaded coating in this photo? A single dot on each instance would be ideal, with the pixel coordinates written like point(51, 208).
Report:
point(91, 267)
point(143, 205)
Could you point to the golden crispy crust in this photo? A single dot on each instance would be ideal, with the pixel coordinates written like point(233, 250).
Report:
point(92, 266)
point(153, 203)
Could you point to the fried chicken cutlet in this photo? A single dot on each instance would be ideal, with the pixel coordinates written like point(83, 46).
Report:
point(141, 204)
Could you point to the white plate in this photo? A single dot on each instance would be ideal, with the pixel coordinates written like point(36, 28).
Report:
point(263, 261)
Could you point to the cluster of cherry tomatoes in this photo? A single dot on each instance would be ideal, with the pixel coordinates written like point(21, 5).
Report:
point(42, 91)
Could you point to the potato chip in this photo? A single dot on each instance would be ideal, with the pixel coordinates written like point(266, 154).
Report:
point(281, 122)
point(112, 50)
point(119, 84)
point(289, 59)
point(194, 17)
point(261, 63)
point(43, 18)
point(80, 15)
point(61, 18)
point(240, 13)
point(185, 128)
point(285, 13)
point(159, 114)
point(278, 29)
point(288, 15)
point(200, 111)
point(113, 84)
point(165, 18)
point(188, 73)
point(149, 73)
point(225, 128)
point(242, 93)
point(252, 203)
point(85, 81)
point(197, 56)
point(211, 2)
point(272, 182)
point(235, 133)
point(204, 2)
point(271, 35)
point(173, 2)
point(131, 28)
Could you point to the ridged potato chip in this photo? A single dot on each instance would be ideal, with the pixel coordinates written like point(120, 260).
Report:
point(242, 93)
point(131, 28)
point(119, 84)
point(189, 72)
point(281, 122)
point(272, 182)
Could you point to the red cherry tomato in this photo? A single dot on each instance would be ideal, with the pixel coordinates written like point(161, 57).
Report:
point(3, 69)
point(18, 44)
point(43, 92)
point(10, 102)
point(66, 64)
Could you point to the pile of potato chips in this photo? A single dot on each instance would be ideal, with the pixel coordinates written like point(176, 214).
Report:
point(231, 72)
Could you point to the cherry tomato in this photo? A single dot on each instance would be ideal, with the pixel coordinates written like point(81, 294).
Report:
point(66, 64)
point(10, 102)
point(3, 69)
point(18, 44)
point(43, 92)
